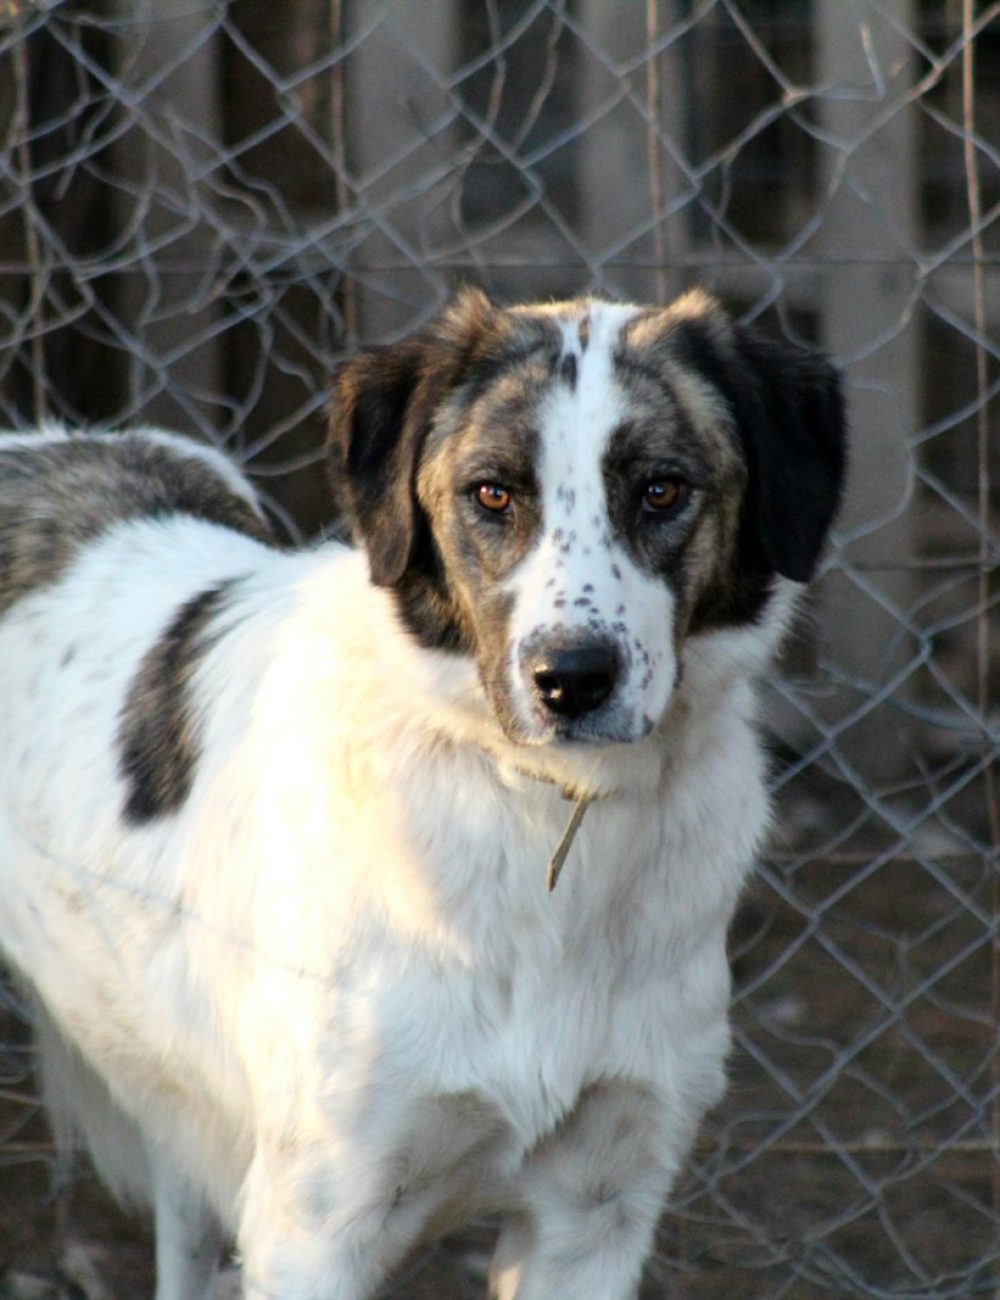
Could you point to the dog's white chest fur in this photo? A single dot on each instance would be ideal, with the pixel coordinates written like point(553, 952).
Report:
point(431, 861)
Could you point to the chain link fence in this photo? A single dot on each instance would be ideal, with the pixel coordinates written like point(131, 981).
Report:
point(204, 205)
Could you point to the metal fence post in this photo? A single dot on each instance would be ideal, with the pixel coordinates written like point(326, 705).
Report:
point(871, 320)
point(400, 128)
point(170, 82)
point(627, 179)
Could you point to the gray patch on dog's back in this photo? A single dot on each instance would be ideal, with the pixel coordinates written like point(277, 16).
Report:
point(157, 733)
point(57, 496)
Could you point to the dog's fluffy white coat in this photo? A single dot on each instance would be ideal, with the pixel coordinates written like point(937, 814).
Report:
point(328, 1004)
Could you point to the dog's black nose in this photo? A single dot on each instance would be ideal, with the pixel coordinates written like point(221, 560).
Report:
point(574, 680)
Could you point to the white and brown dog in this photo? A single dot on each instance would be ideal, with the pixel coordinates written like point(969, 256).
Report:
point(274, 824)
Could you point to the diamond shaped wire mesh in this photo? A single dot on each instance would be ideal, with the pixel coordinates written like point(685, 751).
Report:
point(203, 206)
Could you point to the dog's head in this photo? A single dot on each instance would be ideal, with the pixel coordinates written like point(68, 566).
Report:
point(572, 493)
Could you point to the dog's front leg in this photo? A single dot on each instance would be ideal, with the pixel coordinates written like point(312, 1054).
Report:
point(188, 1237)
point(591, 1196)
point(314, 1228)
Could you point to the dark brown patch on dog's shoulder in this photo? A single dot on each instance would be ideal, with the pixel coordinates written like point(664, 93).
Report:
point(157, 732)
point(57, 496)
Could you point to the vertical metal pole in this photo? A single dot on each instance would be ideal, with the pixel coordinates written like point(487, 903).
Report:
point(625, 140)
point(395, 98)
point(654, 158)
point(20, 130)
point(870, 319)
point(983, 692)
point(338, 143)
point(172, 68)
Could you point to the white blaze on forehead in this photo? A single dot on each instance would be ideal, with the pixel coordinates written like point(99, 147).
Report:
point(577, 420)
point(578, 577)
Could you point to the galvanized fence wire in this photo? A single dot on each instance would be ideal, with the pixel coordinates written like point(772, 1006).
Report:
point(203, 206)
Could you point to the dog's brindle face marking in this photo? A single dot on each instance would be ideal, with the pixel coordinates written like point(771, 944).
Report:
point(479, 550)
point(594, 433)
point(584, 413)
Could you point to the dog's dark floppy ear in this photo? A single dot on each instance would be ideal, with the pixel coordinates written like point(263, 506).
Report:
point(788, 411)
point(383, 404)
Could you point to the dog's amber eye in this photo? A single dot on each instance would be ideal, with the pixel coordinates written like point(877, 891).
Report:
point(662, 495)
point(493, 497)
